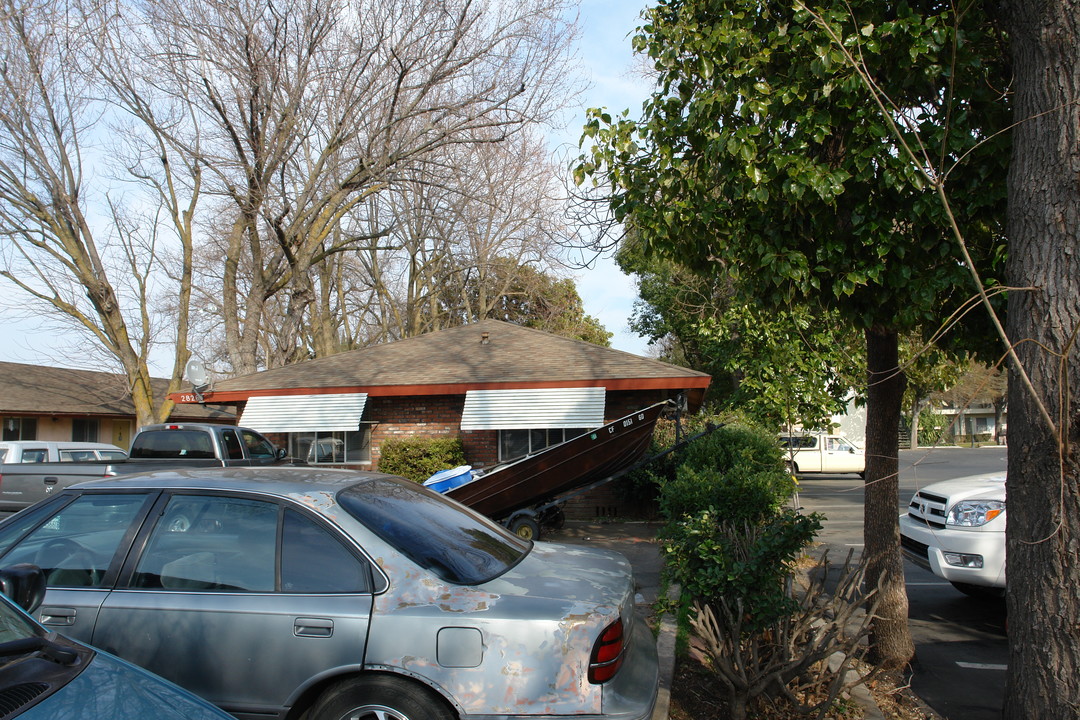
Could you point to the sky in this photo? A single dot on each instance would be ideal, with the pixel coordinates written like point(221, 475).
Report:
point(608, 295)
point(608, 62)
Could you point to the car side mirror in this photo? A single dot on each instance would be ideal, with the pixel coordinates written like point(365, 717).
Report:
point(24, 584)
point(281, 453)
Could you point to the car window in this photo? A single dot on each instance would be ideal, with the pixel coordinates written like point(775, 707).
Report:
point(14, 625)
point(77, 455)
point(35, 455)
point(75, 545)
point(206, 542)
point(113, 454)
point(3, 454)
point(258, 446)
point(456, 544)
point(232, 445)
point(314, 561)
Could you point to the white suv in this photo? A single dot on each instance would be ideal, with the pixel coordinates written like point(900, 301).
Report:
point(956, 530)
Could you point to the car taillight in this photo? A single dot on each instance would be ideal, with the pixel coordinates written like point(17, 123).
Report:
point(607, 654)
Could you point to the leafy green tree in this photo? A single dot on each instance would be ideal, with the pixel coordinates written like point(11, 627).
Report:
point(783, 366)
point(929, 370)
point(764, 156)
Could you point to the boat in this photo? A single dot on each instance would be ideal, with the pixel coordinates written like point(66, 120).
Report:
point(519, 490)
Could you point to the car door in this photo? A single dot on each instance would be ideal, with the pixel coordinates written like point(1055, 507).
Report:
point(842, 456)
point(215, 603)
point(79, 541)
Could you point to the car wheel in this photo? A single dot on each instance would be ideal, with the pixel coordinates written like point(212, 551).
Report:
point(525, 528)
point(380, 697)
point(981, 592)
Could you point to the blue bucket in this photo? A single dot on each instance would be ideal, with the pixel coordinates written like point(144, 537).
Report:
point(447, 480)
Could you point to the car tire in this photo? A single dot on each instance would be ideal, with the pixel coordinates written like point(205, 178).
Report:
point(380, 697)
point(981, 592)
point(525, 528)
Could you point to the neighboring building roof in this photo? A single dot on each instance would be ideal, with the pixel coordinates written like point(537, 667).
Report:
point(43, 390)
point(486, 355)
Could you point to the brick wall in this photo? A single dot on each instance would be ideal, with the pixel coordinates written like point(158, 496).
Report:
point(416, 416)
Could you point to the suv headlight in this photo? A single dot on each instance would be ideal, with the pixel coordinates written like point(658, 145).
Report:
point(974, 513)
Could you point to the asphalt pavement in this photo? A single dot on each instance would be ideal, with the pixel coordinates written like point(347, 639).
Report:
point(960, 642)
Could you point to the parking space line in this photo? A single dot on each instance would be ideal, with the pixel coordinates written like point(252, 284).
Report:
point(982, 666)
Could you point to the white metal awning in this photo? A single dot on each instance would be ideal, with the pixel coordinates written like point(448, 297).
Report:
point(304, 413)
point(535, 408)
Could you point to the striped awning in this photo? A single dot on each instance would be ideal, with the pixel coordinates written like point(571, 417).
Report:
point(304, 413)
point(535, 408)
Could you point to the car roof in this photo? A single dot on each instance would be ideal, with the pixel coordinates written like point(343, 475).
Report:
point(282, 481)
point(61, 444)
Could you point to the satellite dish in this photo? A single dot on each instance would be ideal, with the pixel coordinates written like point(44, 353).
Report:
point(196, 373)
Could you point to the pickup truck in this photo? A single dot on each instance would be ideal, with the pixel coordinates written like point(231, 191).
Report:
point(822, 453)
point(956, 530)
point(43, 451)
point(155, 447)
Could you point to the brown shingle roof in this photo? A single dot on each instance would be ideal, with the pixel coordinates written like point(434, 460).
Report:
point(513, 355)
point(43, 390)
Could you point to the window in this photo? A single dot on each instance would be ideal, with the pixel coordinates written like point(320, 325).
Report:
point(258, 447)
point(233, 448)
point(76, 545)
point(456, 544)
point(518, 443)
point(34, 455)
point(332, 446)
point(314, 561)
point(225, 544)
point(16, 428)
point(207, 542)
point(84, 429)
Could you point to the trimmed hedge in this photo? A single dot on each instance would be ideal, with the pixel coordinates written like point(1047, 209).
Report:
point(418, 458)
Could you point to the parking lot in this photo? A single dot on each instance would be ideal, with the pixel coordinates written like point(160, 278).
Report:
point(961, 647)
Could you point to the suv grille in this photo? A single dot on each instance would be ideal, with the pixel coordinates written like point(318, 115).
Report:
point(929, 509)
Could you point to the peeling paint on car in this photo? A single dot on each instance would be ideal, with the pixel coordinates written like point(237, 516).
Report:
point(536, 615)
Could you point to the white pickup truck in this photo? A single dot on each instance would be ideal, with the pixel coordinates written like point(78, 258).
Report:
point(956, 530)
point(43, 451)
point(808, 452)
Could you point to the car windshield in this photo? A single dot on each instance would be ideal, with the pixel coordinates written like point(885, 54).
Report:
point(456, 544)
point(14, 625)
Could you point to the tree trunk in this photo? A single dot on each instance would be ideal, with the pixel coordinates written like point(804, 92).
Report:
point(891, 645)
point(1043, 535)
point(916, 410)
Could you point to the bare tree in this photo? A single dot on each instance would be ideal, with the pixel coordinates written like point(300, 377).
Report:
point(74, 241)
point(302, 113)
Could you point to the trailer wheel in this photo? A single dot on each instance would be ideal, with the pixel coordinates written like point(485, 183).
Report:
point(525, 528)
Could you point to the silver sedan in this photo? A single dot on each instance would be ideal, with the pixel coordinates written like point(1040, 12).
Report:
point(322, 594)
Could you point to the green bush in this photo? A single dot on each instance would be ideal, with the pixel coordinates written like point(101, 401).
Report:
point(715, 559)
point(736, 469)
point(729, 535)
point(419, 458)
point(932, 427)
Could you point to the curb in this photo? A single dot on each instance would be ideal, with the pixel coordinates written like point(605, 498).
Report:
point(665, 652)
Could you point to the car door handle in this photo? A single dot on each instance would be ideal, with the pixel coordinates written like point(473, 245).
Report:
point(313, 627)
point(58, 616)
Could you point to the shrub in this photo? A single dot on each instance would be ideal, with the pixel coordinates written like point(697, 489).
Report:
point(745, 561)
point(419, 458)
point(737, 470)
